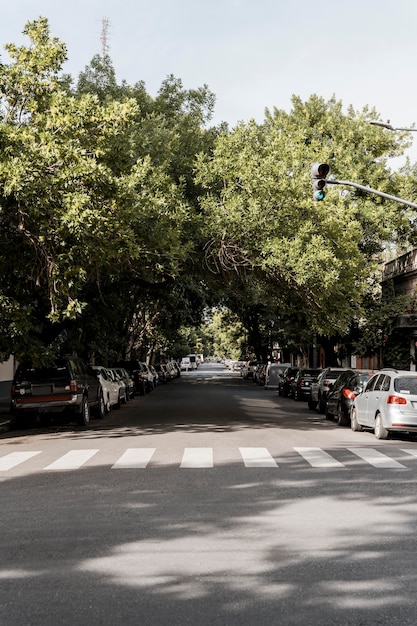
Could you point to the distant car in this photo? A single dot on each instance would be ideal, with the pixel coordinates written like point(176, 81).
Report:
point(273, 374)
point(162, 374)
point(320, 388)
point(128, 381)
point(301, 385)
point(259, 374)
point(285, 383)
point(248, 369)
point(139, 372)
point(344, 391)
point(185, 364)
point(387, 404)
point(68, 385)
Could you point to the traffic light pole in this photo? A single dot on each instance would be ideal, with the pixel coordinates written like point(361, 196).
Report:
point(348, 183)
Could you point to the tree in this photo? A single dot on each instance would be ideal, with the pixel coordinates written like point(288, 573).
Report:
point(260, 214)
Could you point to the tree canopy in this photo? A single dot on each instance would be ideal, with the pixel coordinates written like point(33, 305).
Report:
point(124, 216)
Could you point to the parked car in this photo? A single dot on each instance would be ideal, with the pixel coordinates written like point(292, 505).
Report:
point(111, 388)
point(185, 363)
point(387, 404)
point(162, 374)
point(259, 374)
point(342, 394)
point(128, 381)
point(68, 385)
point(139, 372)
point(248, 369)
point(320, 388)
point(273, 374)
point(285, 383)
point(112, 372)
point(301, 384)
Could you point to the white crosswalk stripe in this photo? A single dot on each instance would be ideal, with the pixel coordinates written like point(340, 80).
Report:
point(376, 458)
point(134, 458)
point(197, 458)
point(252, 457)
point(72, 460)
point(15, 458)
point(257, 457)
point(318, 457)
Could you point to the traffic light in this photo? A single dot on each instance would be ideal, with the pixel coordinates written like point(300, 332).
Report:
point(319, 171)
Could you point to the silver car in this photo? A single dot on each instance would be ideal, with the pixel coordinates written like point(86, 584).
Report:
point(388, 403)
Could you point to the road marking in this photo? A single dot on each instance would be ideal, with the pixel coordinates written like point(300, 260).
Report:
point(318, 457)
point(15, 458)
point(72, 460)
point(257, 457)
point(197, 457)
point(134, 458)
point(376, 458)
point(413, 452)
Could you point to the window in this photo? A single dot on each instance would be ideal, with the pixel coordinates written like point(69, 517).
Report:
point(406, 384)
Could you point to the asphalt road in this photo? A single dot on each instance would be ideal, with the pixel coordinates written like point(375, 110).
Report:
point(211, 501)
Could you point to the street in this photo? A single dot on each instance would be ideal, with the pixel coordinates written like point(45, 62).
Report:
point(209, 501)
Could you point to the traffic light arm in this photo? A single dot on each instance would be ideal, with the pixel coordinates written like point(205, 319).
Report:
point(370, 190)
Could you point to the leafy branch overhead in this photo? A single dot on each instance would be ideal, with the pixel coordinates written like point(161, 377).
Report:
point(127, 208)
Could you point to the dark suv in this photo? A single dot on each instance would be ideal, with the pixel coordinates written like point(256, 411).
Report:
point(69, 385)
point(138, 370)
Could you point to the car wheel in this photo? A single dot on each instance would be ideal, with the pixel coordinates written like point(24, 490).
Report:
point(118, 403)
point(322, 405)
point(100, 411)
point(354, 424)
point(312, 405)
point(84, 415)
point(380, 431)
point(341, 418)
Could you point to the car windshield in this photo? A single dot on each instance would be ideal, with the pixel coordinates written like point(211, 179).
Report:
point(406, 384)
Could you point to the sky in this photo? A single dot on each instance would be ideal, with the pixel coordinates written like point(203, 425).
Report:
point(252, 54)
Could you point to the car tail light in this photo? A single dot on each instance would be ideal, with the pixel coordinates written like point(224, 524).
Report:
point(348, 393)
point(396, 400)
point(73, 386)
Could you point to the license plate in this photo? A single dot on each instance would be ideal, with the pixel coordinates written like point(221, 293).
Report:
point(41, 390)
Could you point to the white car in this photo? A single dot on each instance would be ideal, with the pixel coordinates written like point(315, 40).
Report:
point(387, 404)
point(112, 389)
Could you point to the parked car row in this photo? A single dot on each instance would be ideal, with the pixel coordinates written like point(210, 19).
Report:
point(383, 401)
point(71, 386)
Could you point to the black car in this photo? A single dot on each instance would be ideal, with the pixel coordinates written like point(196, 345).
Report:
point(68, 385)
point(341, 395)
point(139, 372)
point(301, 385)
point(284, 388)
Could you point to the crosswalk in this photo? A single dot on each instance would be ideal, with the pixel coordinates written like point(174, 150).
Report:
point(204, 458)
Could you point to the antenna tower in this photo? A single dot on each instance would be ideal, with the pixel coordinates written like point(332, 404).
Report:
point(105, 23)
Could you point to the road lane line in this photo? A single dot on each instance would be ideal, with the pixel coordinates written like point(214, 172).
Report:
point(72, 460)
point(15, 458)
point(318, 457)
point(197, 457)
point(257, 457)
point(376, 458)
point(134, 458)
